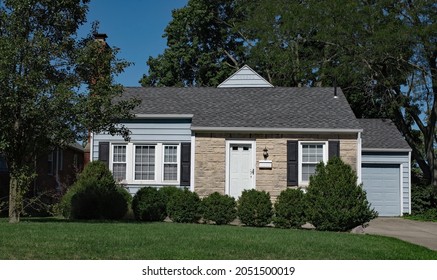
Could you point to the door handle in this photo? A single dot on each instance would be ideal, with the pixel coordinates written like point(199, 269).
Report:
point(252, 172)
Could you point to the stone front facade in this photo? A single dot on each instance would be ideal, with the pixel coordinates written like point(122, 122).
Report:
point(210, 159)
point(210, 164)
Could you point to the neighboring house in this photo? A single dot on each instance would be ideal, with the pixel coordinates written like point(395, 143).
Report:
point(55, 172)
point(248, 134)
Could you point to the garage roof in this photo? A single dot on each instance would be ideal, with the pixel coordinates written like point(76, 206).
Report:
point(382, 134)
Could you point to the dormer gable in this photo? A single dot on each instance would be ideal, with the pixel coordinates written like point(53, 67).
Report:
point(245, 77)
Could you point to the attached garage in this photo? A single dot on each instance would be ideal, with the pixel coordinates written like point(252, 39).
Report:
point(385, 168)
point(383, 187)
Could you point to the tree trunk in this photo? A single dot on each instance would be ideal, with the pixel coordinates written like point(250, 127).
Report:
point(14, 201)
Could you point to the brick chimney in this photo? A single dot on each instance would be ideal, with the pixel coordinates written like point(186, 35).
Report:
point(101, 38)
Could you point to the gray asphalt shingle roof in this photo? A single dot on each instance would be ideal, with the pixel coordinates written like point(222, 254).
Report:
point(273, 108)
point(381, 134)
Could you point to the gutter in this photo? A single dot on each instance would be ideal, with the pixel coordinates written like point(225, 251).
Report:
point(270, 130)
point(164, 116)
point(385, 150)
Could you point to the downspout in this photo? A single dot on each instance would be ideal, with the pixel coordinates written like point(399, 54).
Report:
point(193, 160)
point(409, 182)
point(58, 182)
point(359, 158)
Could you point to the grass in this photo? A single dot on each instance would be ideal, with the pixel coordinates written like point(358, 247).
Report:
point(59, 239)
point(420, 217)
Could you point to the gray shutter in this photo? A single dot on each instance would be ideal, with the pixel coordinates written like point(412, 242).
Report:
point(104, 152)
point(292, 163)
point(185, 164)
point(333, 148)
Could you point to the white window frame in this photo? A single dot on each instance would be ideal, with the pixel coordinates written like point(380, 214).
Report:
point(177, 163)
point(111, 159)
point(159, 163)
point(325, 157)
point(132, 162)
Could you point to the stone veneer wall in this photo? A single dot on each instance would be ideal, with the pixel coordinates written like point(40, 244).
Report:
point(210, 159)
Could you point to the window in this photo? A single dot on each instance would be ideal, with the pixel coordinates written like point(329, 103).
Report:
point(50, 163)
point(170, 163)
point(3, 164)
point(119, 162)
point(61, 159)
point(145, 163)
point(311, 154)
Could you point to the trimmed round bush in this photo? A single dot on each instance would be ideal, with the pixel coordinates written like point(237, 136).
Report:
point(184, 207)
point(149, 205)
point(255, 208)
point(335, 201)
point(218, 208)
point(168, 192)
point(95, 195)
point(290, 209)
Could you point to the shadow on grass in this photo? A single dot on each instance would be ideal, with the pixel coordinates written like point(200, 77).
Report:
point(64, 220)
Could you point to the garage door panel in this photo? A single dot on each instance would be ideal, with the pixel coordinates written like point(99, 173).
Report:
point(382, 184)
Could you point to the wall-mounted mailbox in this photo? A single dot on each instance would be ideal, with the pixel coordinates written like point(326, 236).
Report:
point(265, 164)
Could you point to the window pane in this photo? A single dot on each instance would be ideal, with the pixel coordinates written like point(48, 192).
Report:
point(307, 171)
point(170, 172)
point(119, 162)
point(119, 171)
point(119, 154)
point(170, 154)
point(144, 162)
point(170, 163)
point(312, 153)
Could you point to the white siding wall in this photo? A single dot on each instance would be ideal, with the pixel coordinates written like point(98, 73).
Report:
point(403, 160)
point(245, 77)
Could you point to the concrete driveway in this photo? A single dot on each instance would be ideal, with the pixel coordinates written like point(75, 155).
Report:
point(421, 233)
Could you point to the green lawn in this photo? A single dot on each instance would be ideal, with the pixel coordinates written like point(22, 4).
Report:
point(60, 239)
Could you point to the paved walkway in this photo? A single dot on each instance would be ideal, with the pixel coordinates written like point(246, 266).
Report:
point(421, 233)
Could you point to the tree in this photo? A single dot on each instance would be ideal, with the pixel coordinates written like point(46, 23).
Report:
point(203, 47)
point(53, 88)
point(381, 53)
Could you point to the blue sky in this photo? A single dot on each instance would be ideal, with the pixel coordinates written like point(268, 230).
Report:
point(134, 26)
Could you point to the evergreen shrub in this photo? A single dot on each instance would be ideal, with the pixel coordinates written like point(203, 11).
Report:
point(149, 204)
point(254, 208)
point(218, 208)
point(335, 201)
point(95, 195)
point(184, 207)
point(290, 209)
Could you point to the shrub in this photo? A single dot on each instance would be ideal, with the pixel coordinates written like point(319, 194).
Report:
point(184, 207)
point(149, 205)
point(423, 199)
point(255, 208)
point(218, 208)
point(95, 195)
point(168, 192)
point(335, 201)
point(290, 209)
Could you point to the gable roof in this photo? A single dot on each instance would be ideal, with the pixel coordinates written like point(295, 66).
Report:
point(250, 109)
point(382, 134)
point(245, 77)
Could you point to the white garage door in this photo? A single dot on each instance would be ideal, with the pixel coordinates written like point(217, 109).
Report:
point(382, 184)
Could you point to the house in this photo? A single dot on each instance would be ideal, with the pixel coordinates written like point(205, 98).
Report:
point(248, 134)
point(55, 171)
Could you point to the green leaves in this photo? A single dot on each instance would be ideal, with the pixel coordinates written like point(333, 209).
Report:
point(53, 89)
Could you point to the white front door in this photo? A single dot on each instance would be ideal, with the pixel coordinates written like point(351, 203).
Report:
point(241, 168)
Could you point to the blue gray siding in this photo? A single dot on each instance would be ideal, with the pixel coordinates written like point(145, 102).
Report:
point(147, 132)
point(398, 158)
